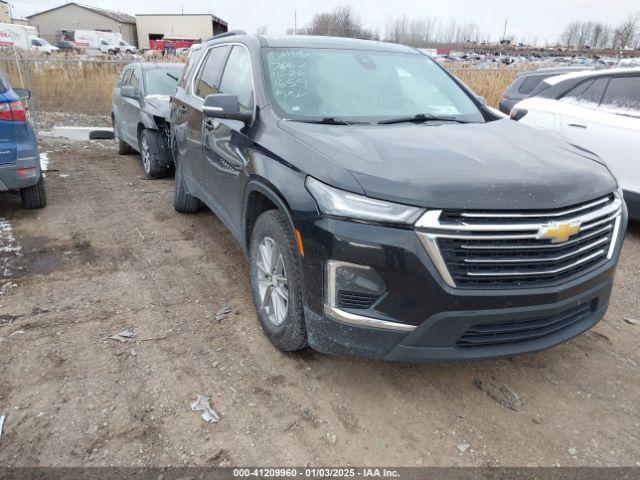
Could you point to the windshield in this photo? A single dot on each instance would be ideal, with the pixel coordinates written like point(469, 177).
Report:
point(357, 85)
point(162, 81)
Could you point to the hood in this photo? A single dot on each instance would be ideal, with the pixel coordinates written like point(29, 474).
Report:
point(158, 105)
point(494, 165)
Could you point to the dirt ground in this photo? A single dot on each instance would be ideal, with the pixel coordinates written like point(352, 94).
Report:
point(109, 253)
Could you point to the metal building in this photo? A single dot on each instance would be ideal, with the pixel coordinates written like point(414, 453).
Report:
point(189, 26)
point(75, 16)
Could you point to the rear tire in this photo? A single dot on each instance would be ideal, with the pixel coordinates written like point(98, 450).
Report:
point(153, 153)
point(277, 283)
point(121, 147)
point(183, 202)
point(35, 196)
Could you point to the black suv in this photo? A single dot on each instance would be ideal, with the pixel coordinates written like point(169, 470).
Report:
point(384, 210)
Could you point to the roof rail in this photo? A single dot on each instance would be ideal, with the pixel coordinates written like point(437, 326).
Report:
point(227, 34)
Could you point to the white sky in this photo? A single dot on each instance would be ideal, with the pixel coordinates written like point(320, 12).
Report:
point(541, 20)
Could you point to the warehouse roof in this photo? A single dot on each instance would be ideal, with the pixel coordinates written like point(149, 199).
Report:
point(117, 16)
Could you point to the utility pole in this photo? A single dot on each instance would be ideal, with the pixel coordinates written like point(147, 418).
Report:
point(295, 22)
point(504, 33)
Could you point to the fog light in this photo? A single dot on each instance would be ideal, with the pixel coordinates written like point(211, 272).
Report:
point(27, 172)
point(348, 285)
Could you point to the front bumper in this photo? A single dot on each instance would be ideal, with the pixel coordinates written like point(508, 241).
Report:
point(9, 178)
point(435, 319)
point(438, 337)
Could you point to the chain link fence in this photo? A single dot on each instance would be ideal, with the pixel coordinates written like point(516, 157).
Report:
point(78, 84)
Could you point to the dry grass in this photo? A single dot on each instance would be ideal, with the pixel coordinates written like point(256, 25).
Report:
point(70, 84)
point(491, 84)
point(66, 83)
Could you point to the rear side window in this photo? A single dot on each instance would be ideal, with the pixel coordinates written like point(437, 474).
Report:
point(623, 93)
point(530, 83)
point(208, 79)
point(237, 79)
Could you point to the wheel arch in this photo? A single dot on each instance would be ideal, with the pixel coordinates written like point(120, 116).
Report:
point(260, 197)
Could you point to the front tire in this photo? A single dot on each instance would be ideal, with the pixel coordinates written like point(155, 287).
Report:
point(35, 196)
point(153, 153)
point(276, 282)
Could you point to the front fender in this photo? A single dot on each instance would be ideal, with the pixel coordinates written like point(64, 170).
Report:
point(284, 188)
point(262, 186)
point(147, 120)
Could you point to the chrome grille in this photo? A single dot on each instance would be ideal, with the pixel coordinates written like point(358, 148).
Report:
point(507, 249)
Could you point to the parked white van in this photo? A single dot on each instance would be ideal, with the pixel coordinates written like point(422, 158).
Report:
point(23, 37)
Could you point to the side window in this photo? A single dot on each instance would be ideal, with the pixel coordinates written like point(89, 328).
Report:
point(208, 79)
point(529, 83)
point(237, 79)
point(623, 95)
point(35, 42)
point(126, 76)
point(576, 92)
point(135, 80)
point(594, 93)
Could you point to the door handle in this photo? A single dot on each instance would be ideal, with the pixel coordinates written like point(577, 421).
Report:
point(577, 125)
point(208, 124)
point(182, 108)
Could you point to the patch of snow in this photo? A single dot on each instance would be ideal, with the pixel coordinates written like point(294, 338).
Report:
point(627, 111)
point(44, 161)
point(9, 250)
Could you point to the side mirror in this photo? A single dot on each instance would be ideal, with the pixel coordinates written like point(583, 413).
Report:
point(225, 106)
point(23, 93)
point(482, 100)
point(129, 91)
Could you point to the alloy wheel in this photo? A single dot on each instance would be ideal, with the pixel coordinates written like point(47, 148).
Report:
point(145, 153)
point(272, 281)
point(116, 135)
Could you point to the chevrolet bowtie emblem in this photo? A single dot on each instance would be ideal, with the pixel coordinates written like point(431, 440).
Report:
point(558, 232)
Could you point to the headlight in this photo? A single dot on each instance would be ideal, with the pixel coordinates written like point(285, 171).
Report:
point(339, 203)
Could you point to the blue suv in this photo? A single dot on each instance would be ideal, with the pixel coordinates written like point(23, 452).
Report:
point(19, 158)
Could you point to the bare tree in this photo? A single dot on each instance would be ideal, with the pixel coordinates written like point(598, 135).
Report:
point(341, 22)
point(570, 34)
point(627, 31)
point(261, 30)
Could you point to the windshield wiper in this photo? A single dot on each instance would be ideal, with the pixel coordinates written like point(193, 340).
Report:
point(422, 117)
point(328, 121)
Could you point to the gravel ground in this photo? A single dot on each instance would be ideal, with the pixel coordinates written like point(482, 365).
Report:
point(109, 253)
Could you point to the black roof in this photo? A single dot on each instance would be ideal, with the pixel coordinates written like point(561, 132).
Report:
point(312, 41)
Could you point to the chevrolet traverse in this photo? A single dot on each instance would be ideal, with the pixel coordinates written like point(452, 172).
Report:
point(384, 210)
